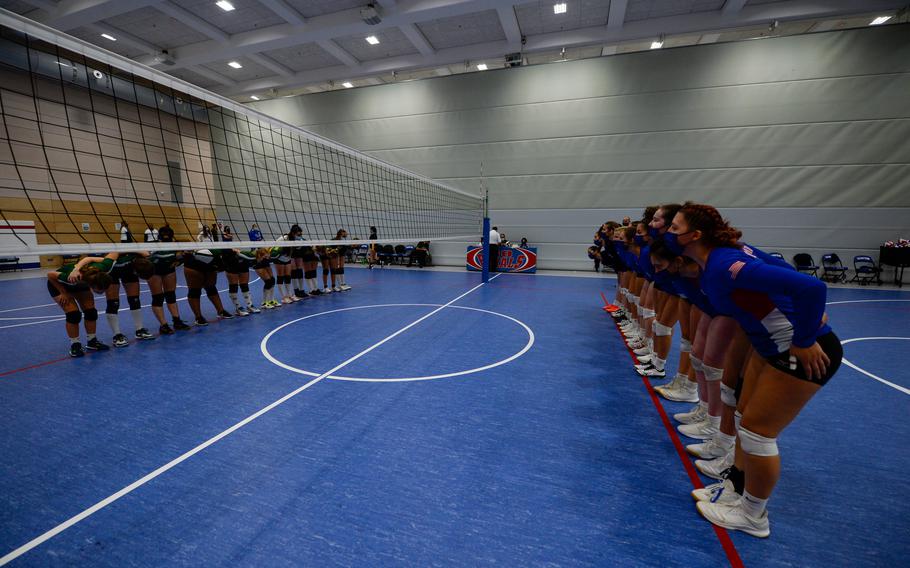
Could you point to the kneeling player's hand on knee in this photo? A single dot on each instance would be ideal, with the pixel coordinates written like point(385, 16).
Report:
point(813, 359)
point(63, 301)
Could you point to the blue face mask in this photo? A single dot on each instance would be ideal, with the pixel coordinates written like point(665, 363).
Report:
point(640, 240)
point(654, 233)
point(672, 242)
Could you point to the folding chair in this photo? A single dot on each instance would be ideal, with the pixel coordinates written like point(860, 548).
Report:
point(865, 270)
point(805, 264)
point(833, 270)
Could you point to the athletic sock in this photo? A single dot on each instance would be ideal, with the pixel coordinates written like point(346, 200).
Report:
point(137, 318)
point(658, 363)
point(753, 506)
point(725, 441)
point(248, 298)
point(114, 321)
point(74, 339)
point(233, 297)
point(714, 421)
point(89, 336)
point(341, 279)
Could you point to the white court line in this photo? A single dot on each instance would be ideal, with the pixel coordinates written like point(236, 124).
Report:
point(864, 301)
point(867, 373)
point(9, 557)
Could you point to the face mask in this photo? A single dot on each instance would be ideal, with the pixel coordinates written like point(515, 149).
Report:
point(672, 242)
point(640, 240)
point(653, 233)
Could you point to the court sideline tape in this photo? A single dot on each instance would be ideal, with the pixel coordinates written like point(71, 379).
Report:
point(722, 535)
point(9, 557)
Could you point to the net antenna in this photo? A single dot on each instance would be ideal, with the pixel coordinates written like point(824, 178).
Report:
point(91, 139)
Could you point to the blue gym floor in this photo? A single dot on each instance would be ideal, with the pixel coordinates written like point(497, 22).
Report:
point(557, 457)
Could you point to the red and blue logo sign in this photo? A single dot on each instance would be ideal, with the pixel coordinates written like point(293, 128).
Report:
point(510, 259)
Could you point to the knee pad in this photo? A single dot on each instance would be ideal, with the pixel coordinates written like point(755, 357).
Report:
point(133, 302)
point(648, 313)
point(325, 271)
point(661, 330)
point(113, 306)
point(269, 283)
point(756, 445)
point(74, 317)
point(310, 274)
point(297, 273)
point(170, 297)
point(334, 271)
point(697, 365)
point(91, 314)
point(712, 373)
point(340, 270)
point(158, 300)
point(232, 288)
point(728, 395)
point(211, 291)
point(685, 345)
point(244, 287)
point(194, 293)
point(737, 419)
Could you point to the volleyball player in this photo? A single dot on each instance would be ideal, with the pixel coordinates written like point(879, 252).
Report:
point(77, 301)
point(127, 268)
point(200, 269)
point(163, 286)
point(237, 265)
point(326, 261)
point(372, 253)
point(263, 268)
point(336, 257)
point(796, 353)
point(281, 258)
point(297, 262)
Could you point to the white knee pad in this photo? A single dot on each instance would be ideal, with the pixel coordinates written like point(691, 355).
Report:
point(756, 445)
point(712, 373)
point(648, 313)
point(728, 395)
point(661, 330)
point(737, 418)
point(638, 309)
point(696, 363)
point(634, 298)
point(685, 345)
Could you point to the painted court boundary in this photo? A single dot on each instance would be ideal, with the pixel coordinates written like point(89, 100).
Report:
point(722, 535)
point(9, 557)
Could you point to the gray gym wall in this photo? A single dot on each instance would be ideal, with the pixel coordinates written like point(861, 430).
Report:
point(802, 141)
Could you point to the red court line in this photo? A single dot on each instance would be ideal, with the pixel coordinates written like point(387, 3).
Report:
point(35, 366)
point(722, 535)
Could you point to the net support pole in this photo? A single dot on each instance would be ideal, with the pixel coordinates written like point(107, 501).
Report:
point(485, 240)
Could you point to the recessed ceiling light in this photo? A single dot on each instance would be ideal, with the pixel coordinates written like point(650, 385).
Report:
point(481, 66)
point(657, 44)
point(347, 85)
point(235, 65)
point(254, 97)
point(879, 20)
point(224, 5)
point(109, 36)
point(372, 40)
point(559, 8)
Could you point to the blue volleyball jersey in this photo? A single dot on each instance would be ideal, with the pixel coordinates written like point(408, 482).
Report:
point(775, 306)
point(690, 290)
point(645, 268)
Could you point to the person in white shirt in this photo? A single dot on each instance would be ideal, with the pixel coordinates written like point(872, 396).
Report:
point(495, 240)
point(125, 235)
point(151, 234)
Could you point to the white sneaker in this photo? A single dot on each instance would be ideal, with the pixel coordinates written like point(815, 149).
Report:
point(715, 468)
point(708, 450)
point(695, 414)
point(671, 384)
point(733, 517)
point(697, 430)
point(685, 391)
point(344, 287)
point(642, 351)
point(643, 359)
point(326, 290)
point(240, 312)
point(253, 309)
point(336, 289)
point(720, 492)
point(638, 344)
point(285, 300)
point(651, 372)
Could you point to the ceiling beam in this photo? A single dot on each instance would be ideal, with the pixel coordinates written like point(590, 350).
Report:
point(193, 21)
point(509, 22)
point(285, 11)
point(732, 7)
point(72, 14)
point(209, 74)
point(270, 64)
point(416, 37)
point(338, 53)
point(125, 37)
point(46, 5)
point(617, 16)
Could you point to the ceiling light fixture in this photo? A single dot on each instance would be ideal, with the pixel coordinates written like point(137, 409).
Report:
point(109, 36)
point(481, 66)
point(559, 8)
point(372, 40)
point(224, 5)
point(347, 84)
point(879, 20)
point(235, 65)
point(254, 97)
point(658, 44)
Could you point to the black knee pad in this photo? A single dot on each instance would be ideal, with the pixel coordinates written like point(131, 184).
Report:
point(269, 283)
point(113, 306)
point(211, 291)
point(287, 279)
point(244, 287)
point(133, 302)
point(232, 288)
point(325, 271)
point(74, 317)
point(297, 273)
point(194, 293)
point(170, 297)
point(334, 271)
point(310, 274)
point(158, 300)
point(339, 270)
point(91, 314)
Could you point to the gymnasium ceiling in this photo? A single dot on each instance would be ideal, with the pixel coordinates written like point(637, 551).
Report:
point(290, 47)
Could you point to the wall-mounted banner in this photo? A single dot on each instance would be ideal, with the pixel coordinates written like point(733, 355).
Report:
point(510, 259)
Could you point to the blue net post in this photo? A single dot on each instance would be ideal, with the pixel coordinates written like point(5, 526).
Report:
point(485, 242)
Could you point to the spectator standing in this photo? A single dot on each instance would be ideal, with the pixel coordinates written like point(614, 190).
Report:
point(495, 240)
point(151, 234)
point(255, 234)
point(125, 235)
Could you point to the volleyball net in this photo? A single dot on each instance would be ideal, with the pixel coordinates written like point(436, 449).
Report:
point(91, 140)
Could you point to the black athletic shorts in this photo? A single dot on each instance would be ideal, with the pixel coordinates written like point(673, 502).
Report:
point(165, 268)
point(236, 264)
point(789, 364)
point(124, 274)
point(262, 264)
point(308, 254)
point(71, 288)
point(192, 262)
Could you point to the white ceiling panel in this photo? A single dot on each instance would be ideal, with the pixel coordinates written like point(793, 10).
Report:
point(649, 9)
point(121, 47)
point(457, 31)
point(303, 57)
point(392, 43)
point(157, 28)
point(539, 17)
point(247, 15)
point(248, 72)
point(312, 8)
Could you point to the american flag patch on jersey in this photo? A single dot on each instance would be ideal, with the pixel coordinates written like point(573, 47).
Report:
point(735, 268)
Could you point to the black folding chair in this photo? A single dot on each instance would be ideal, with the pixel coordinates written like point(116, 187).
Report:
point(805, 264)
point(833, 270)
